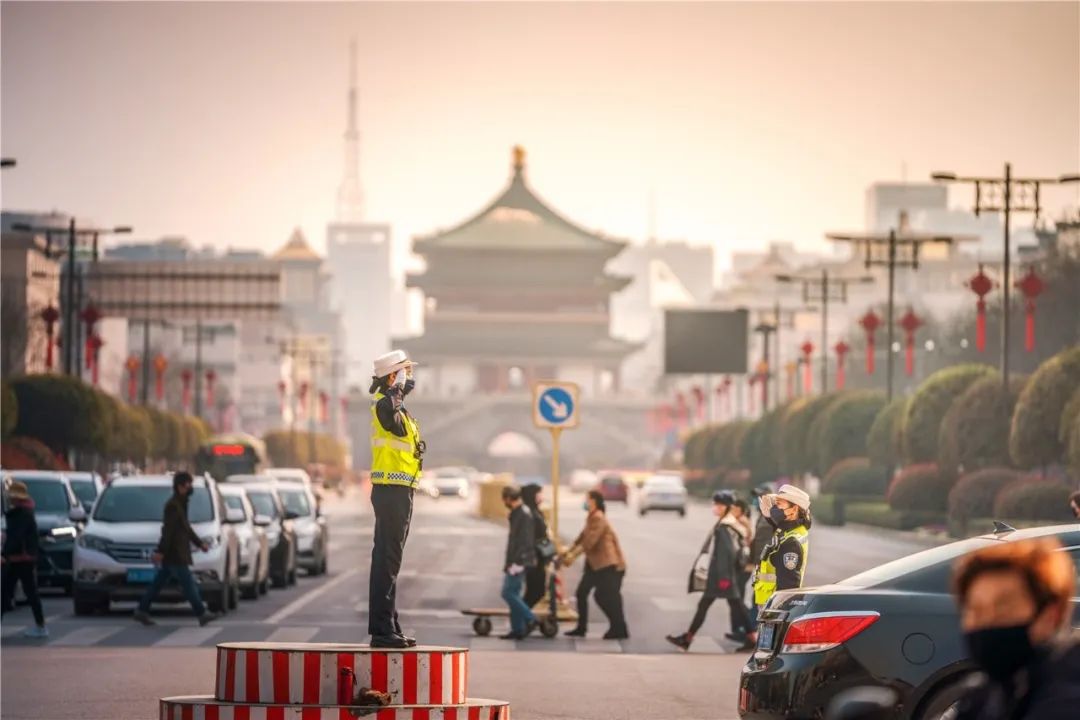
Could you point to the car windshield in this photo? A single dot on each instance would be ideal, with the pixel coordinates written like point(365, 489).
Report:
point(263, 503)
point(85, 490)
point(295, 501)
point(932, 560)
point(146, 503)
point(234, 502)
point(50, 496)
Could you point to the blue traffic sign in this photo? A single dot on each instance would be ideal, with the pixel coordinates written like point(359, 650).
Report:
point(556, 406)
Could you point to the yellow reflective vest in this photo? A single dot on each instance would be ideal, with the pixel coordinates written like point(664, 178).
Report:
point(394, 460)
point(765, 579)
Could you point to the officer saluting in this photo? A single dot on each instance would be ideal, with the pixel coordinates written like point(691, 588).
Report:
point(396, 459)
point(783, 561)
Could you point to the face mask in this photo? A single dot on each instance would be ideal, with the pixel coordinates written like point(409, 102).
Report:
point(585, 506)
point(1000, 651)
point(777, 515)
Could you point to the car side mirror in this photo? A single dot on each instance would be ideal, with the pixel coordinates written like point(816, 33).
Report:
point(234, 515)
point(77, 514)
point(262, 520)
point(863, 703)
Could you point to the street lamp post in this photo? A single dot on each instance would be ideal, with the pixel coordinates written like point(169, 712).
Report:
point(1006, 194)
point(823, 288)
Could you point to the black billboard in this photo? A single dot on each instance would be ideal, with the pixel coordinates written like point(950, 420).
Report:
point(701, 342)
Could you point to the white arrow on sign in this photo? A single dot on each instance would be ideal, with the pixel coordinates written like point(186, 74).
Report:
point(558, 409)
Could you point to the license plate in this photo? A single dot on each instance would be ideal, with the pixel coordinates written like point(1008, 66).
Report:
point(766, 635)
point(141, 575)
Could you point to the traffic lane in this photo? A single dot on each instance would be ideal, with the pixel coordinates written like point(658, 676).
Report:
point(107, 683)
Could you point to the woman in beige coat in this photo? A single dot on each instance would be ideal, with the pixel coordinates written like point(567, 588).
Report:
point(604, 570)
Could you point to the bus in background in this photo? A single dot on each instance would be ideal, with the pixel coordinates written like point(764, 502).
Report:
point(231, 454)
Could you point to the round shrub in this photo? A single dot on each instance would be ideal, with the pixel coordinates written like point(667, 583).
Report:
point(844, 425)
point(62, 412)
point(920, 488)
point(1070, 435)
point(9, 409)
point(974, 494)
point(723, 448)
point(1034, 438)
point(800, 455)
point(856, 477)
point(883, 441)
point(755, 450)
point(1033, 499)
point(975, 431)
point(784, 439)
point(31, 454)
point(922, 421)
point(695, 447)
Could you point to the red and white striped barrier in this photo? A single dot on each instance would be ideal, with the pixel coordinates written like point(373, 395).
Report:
point(319, 673)
point(198, 707)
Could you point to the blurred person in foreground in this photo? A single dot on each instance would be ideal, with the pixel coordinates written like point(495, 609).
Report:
point(1015, 613)
point(605, 568)
point(20, 556)
point(520, 556)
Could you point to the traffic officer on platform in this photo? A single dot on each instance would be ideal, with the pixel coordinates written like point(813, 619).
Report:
point(783, 561)
point(396, 459)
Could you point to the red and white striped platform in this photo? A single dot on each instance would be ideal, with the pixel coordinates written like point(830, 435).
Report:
point(318, 681)
point(204, 707)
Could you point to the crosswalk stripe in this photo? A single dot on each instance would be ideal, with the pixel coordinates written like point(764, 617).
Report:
point(87, 635)
point(292, 634)
point(585, 645)
point(9, 630)
point(188, 637)
point(703, 645)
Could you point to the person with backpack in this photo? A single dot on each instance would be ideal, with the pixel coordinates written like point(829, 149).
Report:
point(716, 572)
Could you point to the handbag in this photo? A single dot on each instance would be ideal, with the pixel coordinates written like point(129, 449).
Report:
point(546, 549)
point(699, 576)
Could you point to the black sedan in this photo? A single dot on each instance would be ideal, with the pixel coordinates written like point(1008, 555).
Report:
point(894, 626)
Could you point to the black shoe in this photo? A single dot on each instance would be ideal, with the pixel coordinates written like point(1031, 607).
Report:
point(388, 641)
point(512, 636)
point(736, 637)
point(208, 617)
point(680, 641)
point(530, 628)
point(410, 640)
point(747, 646)
point(612, 635)
point(576, 632)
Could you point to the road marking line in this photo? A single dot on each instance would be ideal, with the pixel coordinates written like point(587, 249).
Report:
point(88, 635)
point(490, 643)
point(707, 646)
point(597, 646)
point(9, 630)
point(188, 637)
point(292, 634)
point(309, 596)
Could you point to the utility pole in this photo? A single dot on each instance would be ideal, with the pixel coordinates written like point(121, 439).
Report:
point(823, 288)
point(898, 248)
point(1006, 194)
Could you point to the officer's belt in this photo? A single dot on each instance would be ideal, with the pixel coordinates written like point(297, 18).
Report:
point(395, 444)
point(766, 577)
point(393, 477)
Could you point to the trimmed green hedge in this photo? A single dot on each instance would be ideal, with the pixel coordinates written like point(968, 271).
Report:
point(880, 514)
point(843, 427)
point(920, 488)
point(856, 477)
point(1034, 437)
point(1034, 499)
point(922, 421)
point(975, 431)
point(885, 438)
point(1069, 435)
point(9, 409)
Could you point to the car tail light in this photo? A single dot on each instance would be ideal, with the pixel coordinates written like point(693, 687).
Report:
point(823, 631)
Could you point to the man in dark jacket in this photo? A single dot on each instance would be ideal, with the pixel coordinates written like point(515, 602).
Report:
point(20, 555)
point(173, 554)
point(1015, 612)
point(520, 554)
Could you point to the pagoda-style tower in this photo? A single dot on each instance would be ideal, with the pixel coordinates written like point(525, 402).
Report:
point(514, 294)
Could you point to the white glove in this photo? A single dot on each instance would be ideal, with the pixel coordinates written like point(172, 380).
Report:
point(767, 501)
point(515, 569)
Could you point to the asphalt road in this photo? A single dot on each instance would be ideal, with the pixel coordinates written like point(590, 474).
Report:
point(108, 666)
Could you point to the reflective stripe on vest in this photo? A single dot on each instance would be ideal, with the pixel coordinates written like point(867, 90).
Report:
point(394, 460)
point(765, 579)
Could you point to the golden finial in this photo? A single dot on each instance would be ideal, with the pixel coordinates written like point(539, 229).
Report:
point(519, 158)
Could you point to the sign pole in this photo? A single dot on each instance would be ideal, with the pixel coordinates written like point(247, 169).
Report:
point(555, 433)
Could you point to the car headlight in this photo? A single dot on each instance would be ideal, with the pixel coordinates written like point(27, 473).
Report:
point(211, 541)
point(63, 532)
point(93, 542)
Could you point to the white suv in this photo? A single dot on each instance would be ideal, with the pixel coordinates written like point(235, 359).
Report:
point(312, 534)
point(112, 556)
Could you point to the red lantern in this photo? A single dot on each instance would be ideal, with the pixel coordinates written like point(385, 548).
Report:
point(50, 315)
point(90, 315)
point(281, 396)
point(324, 405)
point(842, 349)
point(1031, 285)
point(699, 403)
point(95, 349)
point(160, 365)
point(807, 349)
point(211, 376)
point(132, 364)
point(186, 377)
point(910, 322)
point(981, 285)
point(870, 322)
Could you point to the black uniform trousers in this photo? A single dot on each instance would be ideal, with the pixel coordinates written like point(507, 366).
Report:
point(393, 505)
point(535, 583)
point(24, 572)
point(608, 584)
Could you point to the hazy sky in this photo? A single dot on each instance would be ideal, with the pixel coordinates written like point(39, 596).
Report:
point(753, 121)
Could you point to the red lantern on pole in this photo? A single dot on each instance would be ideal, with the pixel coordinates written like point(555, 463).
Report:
point(132, 365)
point(981, 285)
point(90, 315)
point(870, 322)
point(664, 412)
point(807, 349)
point(186, 377)
point(909, 323)
point(50, 315)
point(160, 365)
point(324, 406)
point(211, 376)
point(281, 396)
point(841, 349)
point(1031, 285)
point(95, 349)
point(699, 403)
